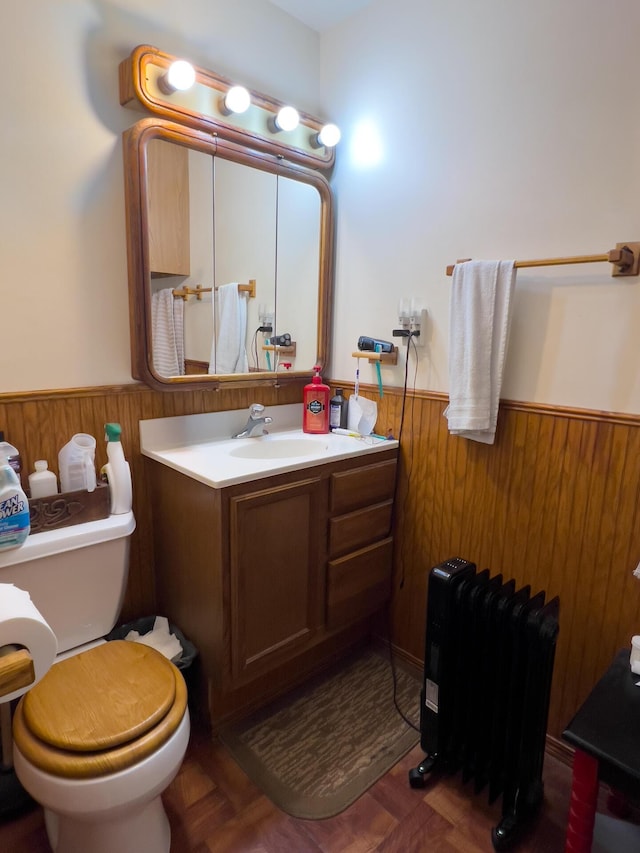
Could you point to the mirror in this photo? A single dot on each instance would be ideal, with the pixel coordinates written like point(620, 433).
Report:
point(230, 260)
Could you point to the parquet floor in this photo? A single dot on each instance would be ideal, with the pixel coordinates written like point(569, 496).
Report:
point(214, 808)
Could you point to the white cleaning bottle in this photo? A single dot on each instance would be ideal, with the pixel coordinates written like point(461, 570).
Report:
point(15, 519)
point(76, 464)
point(42, 482)
point(117, 471)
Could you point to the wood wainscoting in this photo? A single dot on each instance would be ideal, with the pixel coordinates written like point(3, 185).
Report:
point(40, 423)
point(553, 503)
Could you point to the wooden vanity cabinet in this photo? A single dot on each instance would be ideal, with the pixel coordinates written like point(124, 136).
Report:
point(360, 541)
point(272, 579)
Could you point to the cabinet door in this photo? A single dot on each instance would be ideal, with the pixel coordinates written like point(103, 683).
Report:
point(276, 584)
point(168, 211)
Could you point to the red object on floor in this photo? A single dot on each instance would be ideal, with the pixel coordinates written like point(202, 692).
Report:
point(583, 803)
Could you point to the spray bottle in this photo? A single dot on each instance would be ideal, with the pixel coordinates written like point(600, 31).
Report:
point(15, 519)
point(117, 471)
point(12, 455)
point(315, 418)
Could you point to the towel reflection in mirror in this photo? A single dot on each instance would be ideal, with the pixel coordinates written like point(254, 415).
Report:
point(167, 319)
point(227, 329)
point(228, 351)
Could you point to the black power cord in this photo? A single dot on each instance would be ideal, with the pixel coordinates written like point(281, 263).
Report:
point(410, 335)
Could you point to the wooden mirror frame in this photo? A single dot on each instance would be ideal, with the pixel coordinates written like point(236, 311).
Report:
point(135, 142)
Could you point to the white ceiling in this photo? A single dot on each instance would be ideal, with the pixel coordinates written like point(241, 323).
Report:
point(320, 15)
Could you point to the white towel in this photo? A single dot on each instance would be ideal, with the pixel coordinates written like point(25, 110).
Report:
point(228, 353)
point(478, 332)
point(167, 333)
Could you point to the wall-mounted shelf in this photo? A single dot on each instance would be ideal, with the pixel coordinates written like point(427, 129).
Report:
point(290, 350)
point(382, 357)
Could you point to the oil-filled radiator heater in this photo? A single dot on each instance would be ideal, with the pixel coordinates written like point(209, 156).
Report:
point(484, 704)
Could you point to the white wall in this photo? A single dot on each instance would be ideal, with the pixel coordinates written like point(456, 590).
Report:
point(63, 266)
point(515, 134)
point(508, 130)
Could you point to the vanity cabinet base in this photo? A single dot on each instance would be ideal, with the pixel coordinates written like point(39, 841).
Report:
point(275, 579)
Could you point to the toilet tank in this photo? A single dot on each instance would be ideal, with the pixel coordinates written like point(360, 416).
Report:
point(76, 576)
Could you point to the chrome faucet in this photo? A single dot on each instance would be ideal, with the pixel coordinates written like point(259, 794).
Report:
point(256, 419)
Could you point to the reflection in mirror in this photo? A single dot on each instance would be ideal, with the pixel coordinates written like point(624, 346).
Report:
point(245, 202)
point(204, 216)
point(298, 261)
point(198, 324)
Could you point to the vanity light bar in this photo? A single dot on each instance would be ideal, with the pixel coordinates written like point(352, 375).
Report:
point(210, 104)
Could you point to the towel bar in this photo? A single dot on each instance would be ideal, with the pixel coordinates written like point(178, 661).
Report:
point(625, 259)
point(198, 290)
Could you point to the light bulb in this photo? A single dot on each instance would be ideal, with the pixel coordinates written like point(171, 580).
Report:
point(329, 135)
point(237, 100)
point(180, 76)
point(287, 118)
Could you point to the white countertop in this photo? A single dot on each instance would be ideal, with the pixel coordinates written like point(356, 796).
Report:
point(200, 445)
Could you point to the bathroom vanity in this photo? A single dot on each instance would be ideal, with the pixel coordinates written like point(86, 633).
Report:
point(271, 575)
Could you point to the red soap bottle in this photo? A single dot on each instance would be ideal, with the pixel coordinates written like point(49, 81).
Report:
point(316, 405)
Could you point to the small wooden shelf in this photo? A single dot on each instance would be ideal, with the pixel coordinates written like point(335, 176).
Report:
point(67, 508)
point(382, 357)
point(290, 350)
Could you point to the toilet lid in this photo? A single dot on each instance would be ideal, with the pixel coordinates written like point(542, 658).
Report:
point(102, 698)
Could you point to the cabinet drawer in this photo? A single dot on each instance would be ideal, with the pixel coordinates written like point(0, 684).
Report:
point(359, 584)
point(359, 528)
point(362, 486)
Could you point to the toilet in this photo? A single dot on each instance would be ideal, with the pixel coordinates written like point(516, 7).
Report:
point(104, 732)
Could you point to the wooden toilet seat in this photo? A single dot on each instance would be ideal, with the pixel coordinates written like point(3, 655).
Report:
point(100, 711)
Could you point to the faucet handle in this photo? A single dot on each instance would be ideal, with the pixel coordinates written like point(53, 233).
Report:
point(255, 410)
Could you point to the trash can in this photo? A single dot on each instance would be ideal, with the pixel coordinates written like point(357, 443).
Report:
point(144, 625)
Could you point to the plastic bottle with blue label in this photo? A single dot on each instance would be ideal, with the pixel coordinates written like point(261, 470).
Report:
point(15, 519)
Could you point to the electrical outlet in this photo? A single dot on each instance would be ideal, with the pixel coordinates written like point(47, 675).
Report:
point(265, 316)
point(414, 328)
point(418, 323)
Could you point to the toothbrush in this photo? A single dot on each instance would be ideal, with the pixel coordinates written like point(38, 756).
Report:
point(379, 372)
point(353, 434)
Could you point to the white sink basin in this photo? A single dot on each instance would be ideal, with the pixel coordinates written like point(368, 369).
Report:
point(278, 447)
point(200, 446)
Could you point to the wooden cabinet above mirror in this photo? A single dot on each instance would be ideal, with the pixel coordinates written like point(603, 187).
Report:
point(168, 210)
